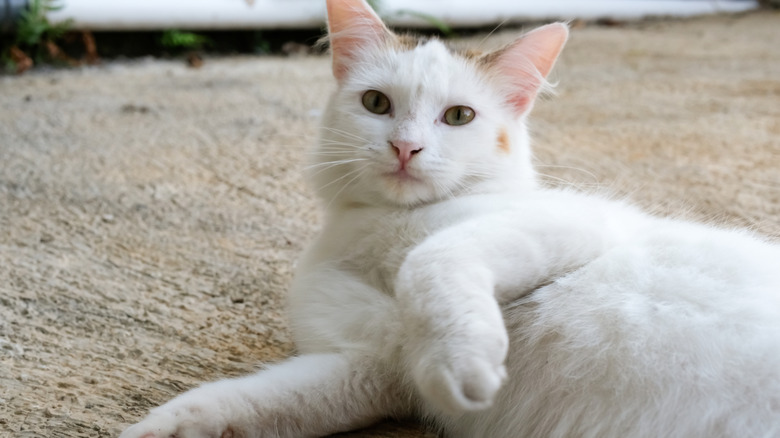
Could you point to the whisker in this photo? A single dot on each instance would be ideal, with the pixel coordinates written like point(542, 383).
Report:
point(448, 192)
point(339, 147)
point(345, 134)
point(334, 163)
point(344, 176)
point(324, 143)
point(329, 153)
point(555, 181)
point(360, 173)
point(578, 169)
point(498, 26)
point(323, 169)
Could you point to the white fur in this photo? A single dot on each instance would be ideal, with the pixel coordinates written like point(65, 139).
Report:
point(468, 296)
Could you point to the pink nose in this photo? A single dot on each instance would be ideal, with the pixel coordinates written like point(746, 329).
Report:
point(405, 150)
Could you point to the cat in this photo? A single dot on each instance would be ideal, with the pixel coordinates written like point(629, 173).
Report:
point(449, 286)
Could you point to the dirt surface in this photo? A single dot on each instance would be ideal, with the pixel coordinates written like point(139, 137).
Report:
point(151, 214)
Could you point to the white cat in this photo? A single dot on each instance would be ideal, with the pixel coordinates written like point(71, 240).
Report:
point(446, 285)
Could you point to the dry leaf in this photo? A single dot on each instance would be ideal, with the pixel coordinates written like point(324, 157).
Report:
point(56, 53)
point(91, 55)
point(22, 61)
point(194, 60)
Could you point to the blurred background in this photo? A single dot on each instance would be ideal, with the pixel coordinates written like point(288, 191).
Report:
point(81, 31)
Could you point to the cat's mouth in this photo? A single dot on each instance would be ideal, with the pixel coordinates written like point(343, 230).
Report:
point(403, 175)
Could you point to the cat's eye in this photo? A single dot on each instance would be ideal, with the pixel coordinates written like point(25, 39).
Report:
point(376, 102)
point(458, 115)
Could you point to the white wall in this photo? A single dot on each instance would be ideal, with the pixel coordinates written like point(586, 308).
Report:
point(274, 14)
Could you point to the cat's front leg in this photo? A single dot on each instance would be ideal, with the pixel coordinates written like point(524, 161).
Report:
point(456, 341)
point(307, 396)
point(450, 287)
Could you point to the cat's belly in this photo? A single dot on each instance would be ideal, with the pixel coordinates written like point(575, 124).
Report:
point(676, 333)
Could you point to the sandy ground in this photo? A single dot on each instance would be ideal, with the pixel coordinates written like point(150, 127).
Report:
point(151, 214)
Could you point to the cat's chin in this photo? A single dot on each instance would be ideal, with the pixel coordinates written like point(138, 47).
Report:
point(404, 188)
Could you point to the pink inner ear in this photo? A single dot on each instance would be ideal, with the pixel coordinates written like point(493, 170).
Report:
point(352, 26)
point(525, 63)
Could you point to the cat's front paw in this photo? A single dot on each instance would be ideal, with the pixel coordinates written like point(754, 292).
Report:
point(183, 421)
point(458, 376)
point(467, 384)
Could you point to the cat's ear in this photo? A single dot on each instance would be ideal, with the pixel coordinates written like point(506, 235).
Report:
point(352, 27)
point(524, 64)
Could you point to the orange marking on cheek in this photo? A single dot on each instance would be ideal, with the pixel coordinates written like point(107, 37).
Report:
point(503, 141)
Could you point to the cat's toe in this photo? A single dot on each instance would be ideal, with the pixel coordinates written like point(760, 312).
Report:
point(148, 428)
point(481, 386)
point(470, 384)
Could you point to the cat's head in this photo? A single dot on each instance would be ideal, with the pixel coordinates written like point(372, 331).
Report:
point(413, 122)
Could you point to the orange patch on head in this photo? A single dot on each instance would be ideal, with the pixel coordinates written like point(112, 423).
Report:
point(503, 141)
point(406, 42)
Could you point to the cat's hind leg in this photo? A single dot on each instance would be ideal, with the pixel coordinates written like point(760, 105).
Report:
point(306, 396)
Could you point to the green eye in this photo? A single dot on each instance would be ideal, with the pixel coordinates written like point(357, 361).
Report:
point(458, 115)
point(376, 102)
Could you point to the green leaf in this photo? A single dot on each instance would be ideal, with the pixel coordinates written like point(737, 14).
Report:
point(176, 39)
point(33, 27)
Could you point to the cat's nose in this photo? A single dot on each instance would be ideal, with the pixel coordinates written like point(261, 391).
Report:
point(405, 150)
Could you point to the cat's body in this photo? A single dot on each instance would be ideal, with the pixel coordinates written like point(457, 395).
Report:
point(447, 286)
point(355, 239)
point(656, 331)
